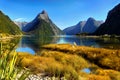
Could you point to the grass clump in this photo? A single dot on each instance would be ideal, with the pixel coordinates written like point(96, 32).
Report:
point(113, 75)
point(8, 69)
point(98, 77)
point(49, 66)
point(105, 58)
point(77, 62)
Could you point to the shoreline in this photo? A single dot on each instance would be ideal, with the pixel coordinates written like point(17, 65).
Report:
point(10, 37)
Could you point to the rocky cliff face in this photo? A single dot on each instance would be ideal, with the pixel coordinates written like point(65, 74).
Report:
point(112, 23)
point(42, 25)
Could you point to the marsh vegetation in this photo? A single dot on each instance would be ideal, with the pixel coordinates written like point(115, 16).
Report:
point(66, 61)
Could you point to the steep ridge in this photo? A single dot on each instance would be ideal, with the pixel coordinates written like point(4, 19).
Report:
point(7, 26)
point(112, 23)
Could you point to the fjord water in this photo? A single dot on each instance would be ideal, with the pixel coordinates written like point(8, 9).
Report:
point(33, 44)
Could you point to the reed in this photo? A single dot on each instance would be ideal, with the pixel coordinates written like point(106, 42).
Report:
point(8, 69)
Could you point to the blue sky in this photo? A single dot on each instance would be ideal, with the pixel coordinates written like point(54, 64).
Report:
point(63, 13)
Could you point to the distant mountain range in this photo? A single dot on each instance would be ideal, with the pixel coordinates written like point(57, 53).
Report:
point(91, 25)
point(112, 23)
point(7, 26)
point(88, 26)
point(42, 26)
point(21, 24)
point(74, 29)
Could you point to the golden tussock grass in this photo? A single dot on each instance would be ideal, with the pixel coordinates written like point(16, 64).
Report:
point(75, 61)
point(47, 65)
point(68, 61)
point(105, 58)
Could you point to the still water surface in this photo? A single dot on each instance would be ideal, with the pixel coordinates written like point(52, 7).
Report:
point(33, 44)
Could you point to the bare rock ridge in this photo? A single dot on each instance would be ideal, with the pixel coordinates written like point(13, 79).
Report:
point(112, 23)
point(43, 15)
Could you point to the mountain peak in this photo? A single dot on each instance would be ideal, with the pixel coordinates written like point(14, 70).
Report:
point(90, 19)
point(42, 25)
point(43, 15)
point(0, 11)
point(43, 12)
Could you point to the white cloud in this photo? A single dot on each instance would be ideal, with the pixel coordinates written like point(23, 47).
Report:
point(20, 19)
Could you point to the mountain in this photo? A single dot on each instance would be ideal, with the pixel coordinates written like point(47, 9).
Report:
point(74, 29)
point(20, 24)
point(42, 26)
point(91, 25)
point(7, 26)
point(88, 26)
point(112, 23)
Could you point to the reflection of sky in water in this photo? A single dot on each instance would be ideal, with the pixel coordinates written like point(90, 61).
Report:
point(62, 40)
point(78, 40)
point(87, 70)
point(25, 49)
point(67, 39)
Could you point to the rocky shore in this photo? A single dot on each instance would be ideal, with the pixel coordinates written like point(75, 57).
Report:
point(41, 77)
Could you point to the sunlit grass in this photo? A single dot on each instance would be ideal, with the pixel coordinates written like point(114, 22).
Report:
point(8, 69)
point(102, 57)
point(67, 61)
point(59, 64)
point(48, 65)
point(77, 62)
